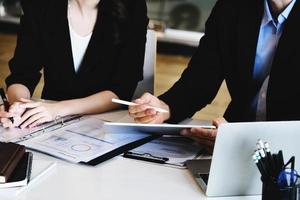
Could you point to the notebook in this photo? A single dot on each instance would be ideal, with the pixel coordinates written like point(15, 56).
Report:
point(40, 169)
point(21, 174)
point(10, 155)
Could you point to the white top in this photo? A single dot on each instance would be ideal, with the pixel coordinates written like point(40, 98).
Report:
point(79, 45)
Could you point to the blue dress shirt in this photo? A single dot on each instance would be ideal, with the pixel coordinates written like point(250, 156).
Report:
point(269, 35)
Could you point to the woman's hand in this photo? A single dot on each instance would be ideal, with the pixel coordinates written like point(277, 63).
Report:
point(4, 118)
point(37, 113)
point(15, 111)
point(205, 137)
point(142, 114)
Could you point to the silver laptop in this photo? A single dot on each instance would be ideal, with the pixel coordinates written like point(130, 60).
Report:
point(231, 171)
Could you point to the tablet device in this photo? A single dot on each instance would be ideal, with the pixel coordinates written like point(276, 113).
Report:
point(159, 129)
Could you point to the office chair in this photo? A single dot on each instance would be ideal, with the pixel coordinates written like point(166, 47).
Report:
point(147, 84)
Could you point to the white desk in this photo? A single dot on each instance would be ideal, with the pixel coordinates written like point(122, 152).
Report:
point(118, 178)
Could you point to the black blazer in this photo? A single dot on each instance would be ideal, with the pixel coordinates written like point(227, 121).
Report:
point(227, 51)
point(110, 63)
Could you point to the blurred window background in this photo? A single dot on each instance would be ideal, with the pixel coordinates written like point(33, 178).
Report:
point(179, 23)
point(189, 15)
point(10, 11)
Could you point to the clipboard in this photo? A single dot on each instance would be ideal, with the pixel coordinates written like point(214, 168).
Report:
point(167, 150)
point(120, 150)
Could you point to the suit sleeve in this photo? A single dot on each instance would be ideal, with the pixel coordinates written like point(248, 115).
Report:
point(26, 63)
point(131, 60)
point(202, 78)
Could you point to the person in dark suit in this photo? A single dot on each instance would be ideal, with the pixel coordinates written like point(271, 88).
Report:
point(254, 46)
point(90, 51)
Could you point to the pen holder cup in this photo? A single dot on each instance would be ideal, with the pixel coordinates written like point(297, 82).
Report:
point(271, 191)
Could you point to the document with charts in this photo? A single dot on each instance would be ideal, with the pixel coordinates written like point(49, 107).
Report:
point(81, 142)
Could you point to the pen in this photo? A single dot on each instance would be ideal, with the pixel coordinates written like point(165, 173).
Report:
point(5, 103)
point(280, 160)
point(260, 144)
point(276, 166)
point(293, 174)
point(270, 159)
point(256, 158)
point(135, 104)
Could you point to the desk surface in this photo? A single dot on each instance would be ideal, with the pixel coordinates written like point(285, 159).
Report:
point(118, 178)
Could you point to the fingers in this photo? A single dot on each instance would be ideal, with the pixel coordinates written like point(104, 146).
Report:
point(4, 118)
point(205, 137)
point(30, 105)
point(200, 133)
point(3, 113)
point(206, 143)
point(34, 118)
point(145, 98)
point(6, 123)
point(31, 112)
point(143, 103)
point(140, 110)
point(146, 119)
point(16, 109)
point(142, 113)
point(26, 113)
point(25, 100)
point(2, 108)
point(217, 122)
point(38, 122)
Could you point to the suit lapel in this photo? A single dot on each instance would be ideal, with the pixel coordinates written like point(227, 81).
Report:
point(248, 32)
point(102, 35)
point(61, 38)
point(93, 43)
point(100, 42)
point(288, 38)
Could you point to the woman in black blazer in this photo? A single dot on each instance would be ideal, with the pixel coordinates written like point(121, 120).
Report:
point(90, 51)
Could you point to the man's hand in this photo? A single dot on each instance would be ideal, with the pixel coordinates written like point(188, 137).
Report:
point(205, 137)
point(142, 114)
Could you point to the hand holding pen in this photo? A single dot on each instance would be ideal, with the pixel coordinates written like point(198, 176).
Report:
point(143, 113)
point(5, 108)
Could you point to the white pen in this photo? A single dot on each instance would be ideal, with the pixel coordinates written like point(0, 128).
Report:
point(135, 104)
